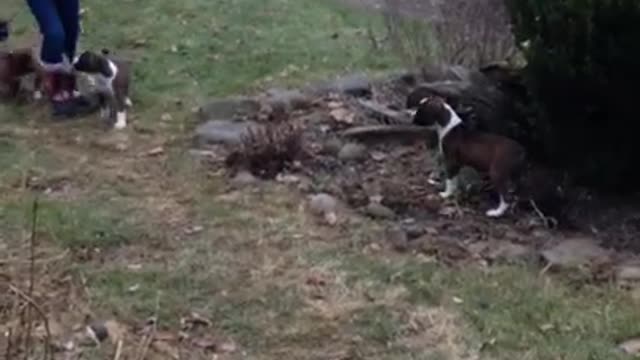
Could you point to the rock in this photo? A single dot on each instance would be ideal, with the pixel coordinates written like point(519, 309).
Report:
point(243, 178)
point(575, 252)
point(404, 77)
point(289, 99)
point(332, 146)
point(414, 231)
point(397, 238)
point(457, 73)
point(508, 251)
point(321, 204)
point(116, 142)
point(628, 273)
point(379, 211)
point(352, 151)
point(228, 132)
point(384, 114)
point(357, 85)
point(229, 108)
point(470, 179)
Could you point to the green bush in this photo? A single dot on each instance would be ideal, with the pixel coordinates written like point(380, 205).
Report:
point(583, 71)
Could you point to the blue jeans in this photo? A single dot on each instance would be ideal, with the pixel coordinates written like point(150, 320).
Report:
point(59, 23)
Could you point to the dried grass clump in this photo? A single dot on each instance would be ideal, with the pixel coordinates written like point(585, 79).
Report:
point(456, 32)
point(267, 150)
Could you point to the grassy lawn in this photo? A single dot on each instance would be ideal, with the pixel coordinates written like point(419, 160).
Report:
point(132, 231)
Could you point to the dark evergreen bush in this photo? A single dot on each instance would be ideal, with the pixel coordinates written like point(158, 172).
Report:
point(583, 71)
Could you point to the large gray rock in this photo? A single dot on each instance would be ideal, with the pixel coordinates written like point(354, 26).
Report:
point(379, 211)
point(287, 99)
point(575, 252)
point(358, 85)
point(229, 108)
point(323, 203)
point(352, 152)
point(228, 132)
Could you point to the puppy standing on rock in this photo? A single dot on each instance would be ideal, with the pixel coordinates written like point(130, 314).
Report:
point(112, 78)
point(500, 157)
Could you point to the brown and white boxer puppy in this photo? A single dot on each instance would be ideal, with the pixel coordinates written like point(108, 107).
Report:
point(112, 78)
point(500, 157)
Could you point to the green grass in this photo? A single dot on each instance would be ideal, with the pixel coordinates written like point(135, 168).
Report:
point(249, 267)
point(74, 225)
point(187, 51)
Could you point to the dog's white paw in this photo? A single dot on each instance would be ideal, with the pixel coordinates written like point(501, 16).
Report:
point(445, 194)
point(451, 186)
point(495, 213)
point(499, 211)
point(37, 95)
point(121, 121)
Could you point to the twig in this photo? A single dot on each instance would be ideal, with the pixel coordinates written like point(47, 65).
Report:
point(118, 350)
point(546, 220)
point(9, 344)
point(40, 312)
point(32, 261)
point(146, 343)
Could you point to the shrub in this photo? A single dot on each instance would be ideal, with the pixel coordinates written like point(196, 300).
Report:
point(452, 32)
point(583, 67)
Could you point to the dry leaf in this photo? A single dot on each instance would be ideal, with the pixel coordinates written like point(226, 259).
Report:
point(194, 320)
point(165, 336)
point(343, 115)
point(378, 155)
point(546, 327)
point(228, 347)
point(165, 348)
point(334, 104)
point(193, 230)
point(116, 331)
point(331, 218)
point(206, 342)
point(155, 151)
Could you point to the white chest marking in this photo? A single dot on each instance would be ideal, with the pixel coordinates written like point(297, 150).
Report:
point(105, 83)
point(454, 121)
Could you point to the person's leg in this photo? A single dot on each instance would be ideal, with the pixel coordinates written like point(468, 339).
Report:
point(59, 80)
point(69, 12)
point(46, 14)
point(69, 17)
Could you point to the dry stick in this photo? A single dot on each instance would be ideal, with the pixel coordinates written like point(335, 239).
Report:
point(32, 261)
point(9, 344)
point(118, 350)
point(40, 312)
point(146, 344)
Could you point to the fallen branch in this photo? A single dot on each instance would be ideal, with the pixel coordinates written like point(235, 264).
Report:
point(146, 342)
point(41, 313)
point(32, 270)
